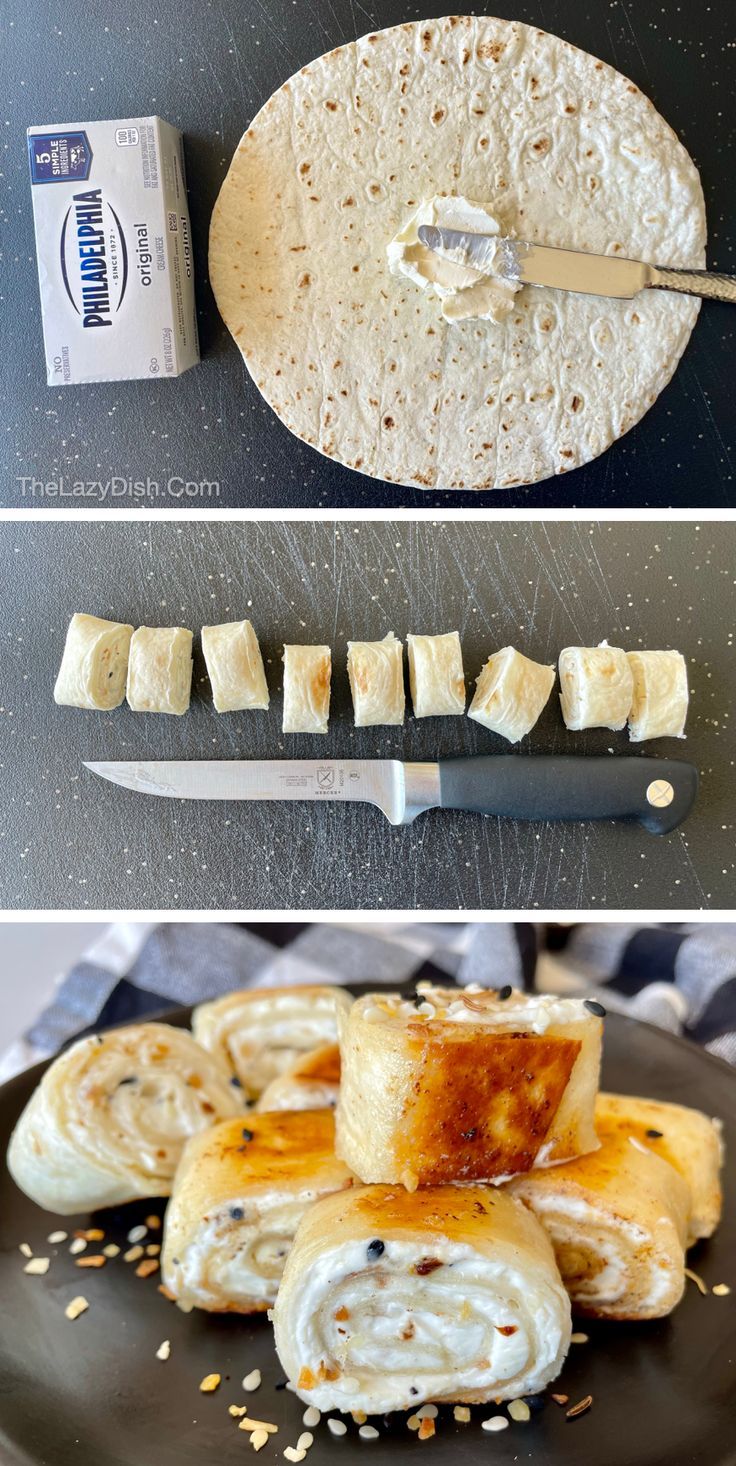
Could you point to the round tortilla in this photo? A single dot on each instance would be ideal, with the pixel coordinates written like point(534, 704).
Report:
point(360, 364)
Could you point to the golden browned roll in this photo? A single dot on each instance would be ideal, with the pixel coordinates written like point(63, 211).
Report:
point(110, 1117)
point(688, 1139)
point(310, 1083)
point(239, 1194)
point(390, 1298)
point(465, 1085)
point(618, 1221)
point(258, 1033)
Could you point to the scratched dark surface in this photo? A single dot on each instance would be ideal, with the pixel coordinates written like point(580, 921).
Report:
point(69, 839)
point(207, 68)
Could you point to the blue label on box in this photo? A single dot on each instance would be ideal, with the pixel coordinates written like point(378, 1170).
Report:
point(56, 157)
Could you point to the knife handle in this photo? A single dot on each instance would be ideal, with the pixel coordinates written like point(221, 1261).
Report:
point(695, 282)
point(658, 792)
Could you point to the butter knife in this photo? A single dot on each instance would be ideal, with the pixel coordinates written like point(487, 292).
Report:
point(657, 793)
point(569, 269)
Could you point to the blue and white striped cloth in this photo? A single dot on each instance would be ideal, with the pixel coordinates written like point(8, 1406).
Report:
point(682, 978)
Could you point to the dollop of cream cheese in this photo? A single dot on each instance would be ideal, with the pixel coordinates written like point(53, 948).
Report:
point(466, 293)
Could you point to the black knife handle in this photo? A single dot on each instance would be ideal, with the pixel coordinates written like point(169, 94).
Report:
point(658, 792)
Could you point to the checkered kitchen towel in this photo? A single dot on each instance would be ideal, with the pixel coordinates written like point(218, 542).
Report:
point(681, 978)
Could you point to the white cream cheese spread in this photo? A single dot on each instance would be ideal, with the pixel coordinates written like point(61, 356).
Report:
point(466, 293)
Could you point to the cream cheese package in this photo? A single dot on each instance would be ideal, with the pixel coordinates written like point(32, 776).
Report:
point(114, 248)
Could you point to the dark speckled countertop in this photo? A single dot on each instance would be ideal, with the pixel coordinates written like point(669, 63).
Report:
point(67, 839)
point(207, 66)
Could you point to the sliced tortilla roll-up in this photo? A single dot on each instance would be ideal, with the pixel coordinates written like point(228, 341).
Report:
point(660, 697)
point(688, 1139)
point(307, 674)
point(258, 1033)
point(376, 673)
point(596, 686)
point(160, 670)
point(466, 1086)
point(511, 693)
point(234, 666)
point(110, 1117)
point(390, 1298)
point(94, 666)
point(436, 675)
point(239, 1194)
point(312, 1082)
point(618, 1220)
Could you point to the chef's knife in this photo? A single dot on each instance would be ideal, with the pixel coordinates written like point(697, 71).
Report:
point(658, 793)
point(569, 269)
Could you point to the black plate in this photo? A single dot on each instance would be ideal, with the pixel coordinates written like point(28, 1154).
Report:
point(92, 1393)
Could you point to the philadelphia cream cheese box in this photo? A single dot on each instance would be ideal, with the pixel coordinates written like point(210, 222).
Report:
point(114, 250)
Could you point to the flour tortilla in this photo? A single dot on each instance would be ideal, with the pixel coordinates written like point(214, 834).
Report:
point(559, 147)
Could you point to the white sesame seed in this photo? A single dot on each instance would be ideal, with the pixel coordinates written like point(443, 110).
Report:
point(496, 1422)
point(579, 1339)
point(427, 1009)
point(37, 1266)
point(77, 1306)
point(311, 1416)
point(136, 1234)
point(519, 1410)
point(337, 1427)
point(164, 1349)
point(77, 1246)
point(350, 1384)
point(258, 1439)
point(427, 1412)
point(294, 1455)
point(721, 1290)
point(55, 1237)
point(252, 1380)
point(26, 1249)
point(413, 1422)
point(111, 1250)
point(368, 1433)
point(305, 1440)
point(373, 1015)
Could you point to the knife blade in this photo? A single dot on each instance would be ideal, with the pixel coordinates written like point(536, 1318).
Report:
point(658, 793)
point(568, 269)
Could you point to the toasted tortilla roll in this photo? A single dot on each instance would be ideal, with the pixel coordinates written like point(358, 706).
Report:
point(466, 1087)
point(689, 1140)
point(389, 1299)
point(234, 666)
point(436, 675)
point(618, 1221)
point(257, 1034)
point(376, 672)
point(94, 665)
point(597, 686)
point(160, 670)
point(660, 699)
point(307, 673)
point(511, 693)
point(110, 1117)
point(312, 1082)
point(240, 1192)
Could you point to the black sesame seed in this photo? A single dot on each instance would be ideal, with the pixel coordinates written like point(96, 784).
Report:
point(237, 1213)
point(413, 1390)
point(535, 1402)
point(505, 992)
point(655, 1134)
point(376, 1249)
point(281, 1384)
point(417, 999)
point(131, 1079)
point(247, 1135)
point(594, 1007)
point(236, 1082)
